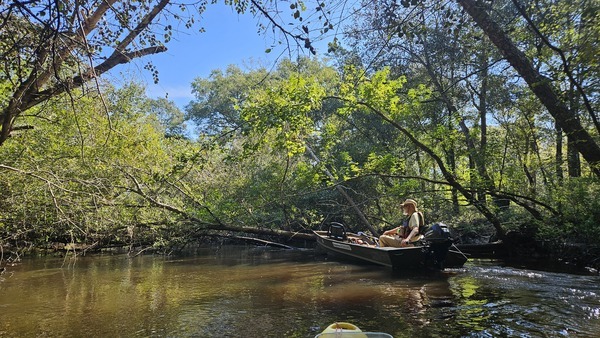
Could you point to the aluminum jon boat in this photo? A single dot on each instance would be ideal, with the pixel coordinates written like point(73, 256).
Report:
point(434, 250)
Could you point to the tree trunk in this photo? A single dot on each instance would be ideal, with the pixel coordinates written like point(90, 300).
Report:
point(539, 84)
point(483, 109)
point(559, 153)
point(573, 160)
point(454, 192)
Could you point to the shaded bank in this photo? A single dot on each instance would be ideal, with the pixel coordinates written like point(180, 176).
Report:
point(564, 257)
point(574, 260)
point(519, 250)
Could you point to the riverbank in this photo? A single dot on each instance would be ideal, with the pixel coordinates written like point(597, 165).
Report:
point(560, 257)
point(565, 258)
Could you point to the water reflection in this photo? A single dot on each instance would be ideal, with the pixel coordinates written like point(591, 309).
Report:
point(250, 292)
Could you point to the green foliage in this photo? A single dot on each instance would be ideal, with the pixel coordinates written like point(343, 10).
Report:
point(470, 226)
point(214, 107)
point(285, 109)
point(386, 163)
point(69, 178)
point(580, 207)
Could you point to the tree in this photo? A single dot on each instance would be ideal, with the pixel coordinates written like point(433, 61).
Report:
point(170, 117)
point(214, 108)
point(66, 179)
point(393, 20)
point(51, 47)
point(539, 84)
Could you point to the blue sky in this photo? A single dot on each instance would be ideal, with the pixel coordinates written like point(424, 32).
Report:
point(230, 38)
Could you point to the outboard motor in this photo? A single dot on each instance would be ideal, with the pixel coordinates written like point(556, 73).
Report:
point(439, 239)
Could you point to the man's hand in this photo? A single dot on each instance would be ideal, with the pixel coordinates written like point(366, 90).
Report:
point(390, 232)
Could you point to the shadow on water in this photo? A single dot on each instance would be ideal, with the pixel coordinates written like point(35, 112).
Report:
point(238, 291)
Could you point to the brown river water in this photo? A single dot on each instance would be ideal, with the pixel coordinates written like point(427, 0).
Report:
point(236, 291)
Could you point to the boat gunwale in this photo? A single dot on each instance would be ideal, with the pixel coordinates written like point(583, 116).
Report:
point(389, 250)
point(323, 234)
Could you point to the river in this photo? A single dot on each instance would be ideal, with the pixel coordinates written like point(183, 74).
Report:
point(236, 291)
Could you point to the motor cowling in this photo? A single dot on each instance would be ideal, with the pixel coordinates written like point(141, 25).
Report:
point(438, 233)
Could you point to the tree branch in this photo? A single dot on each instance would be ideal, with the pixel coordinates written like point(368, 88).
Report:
point(565, 63)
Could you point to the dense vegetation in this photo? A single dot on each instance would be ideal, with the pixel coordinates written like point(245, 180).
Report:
point(494, 131)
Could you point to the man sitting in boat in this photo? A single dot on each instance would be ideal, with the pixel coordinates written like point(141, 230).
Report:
point(403, 235)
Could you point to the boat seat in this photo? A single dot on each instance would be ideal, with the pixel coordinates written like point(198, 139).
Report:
point(337, 231)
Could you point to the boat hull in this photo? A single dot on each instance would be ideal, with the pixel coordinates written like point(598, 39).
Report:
point(413, 257)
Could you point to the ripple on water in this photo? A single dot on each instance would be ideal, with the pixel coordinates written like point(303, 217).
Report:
point(530, 303)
